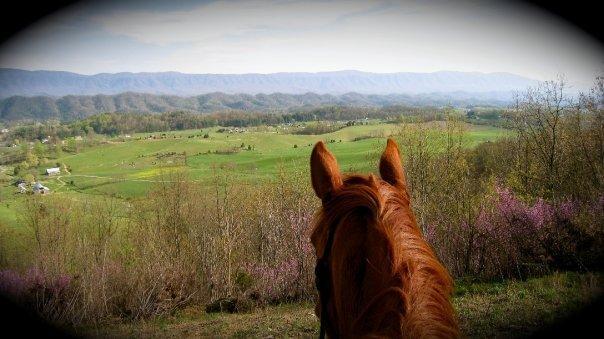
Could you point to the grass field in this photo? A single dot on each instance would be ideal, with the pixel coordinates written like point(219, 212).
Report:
point(127, 168)
point(502, 310)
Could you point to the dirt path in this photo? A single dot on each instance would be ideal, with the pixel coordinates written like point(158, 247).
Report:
point(63, 183)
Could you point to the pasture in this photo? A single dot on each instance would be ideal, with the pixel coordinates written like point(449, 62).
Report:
point(126, 167)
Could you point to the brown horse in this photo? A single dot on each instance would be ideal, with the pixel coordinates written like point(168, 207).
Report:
point(376, 275)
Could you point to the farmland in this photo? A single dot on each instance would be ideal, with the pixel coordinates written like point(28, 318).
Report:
point(126, 167)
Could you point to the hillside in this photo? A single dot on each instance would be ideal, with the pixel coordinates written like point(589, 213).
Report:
point(73, 107)
point(54, 83)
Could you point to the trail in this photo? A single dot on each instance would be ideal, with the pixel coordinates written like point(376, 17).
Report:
point(63, 183)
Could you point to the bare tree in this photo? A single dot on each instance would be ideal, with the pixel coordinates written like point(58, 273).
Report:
point(537, 120)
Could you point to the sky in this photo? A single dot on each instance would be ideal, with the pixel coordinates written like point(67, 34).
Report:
point(269, 36)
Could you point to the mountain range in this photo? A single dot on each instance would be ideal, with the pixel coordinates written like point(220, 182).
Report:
point(57, 83)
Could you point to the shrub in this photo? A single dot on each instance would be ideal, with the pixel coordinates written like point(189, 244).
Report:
point(318, 128)
point(182, 244)
point(54, 297)
point(512, 239)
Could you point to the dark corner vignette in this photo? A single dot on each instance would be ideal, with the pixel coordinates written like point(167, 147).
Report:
point(585, 15)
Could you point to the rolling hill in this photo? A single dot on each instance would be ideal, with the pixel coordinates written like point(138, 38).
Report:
point(73, 107)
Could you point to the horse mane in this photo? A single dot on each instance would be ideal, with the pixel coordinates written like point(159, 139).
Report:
point(386, 280)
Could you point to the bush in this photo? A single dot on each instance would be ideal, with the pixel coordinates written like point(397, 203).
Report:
point(183, 244)
point(53, 296)
point(318, 128)
point(511, 239)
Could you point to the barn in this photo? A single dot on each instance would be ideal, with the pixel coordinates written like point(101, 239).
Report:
point(38, 188)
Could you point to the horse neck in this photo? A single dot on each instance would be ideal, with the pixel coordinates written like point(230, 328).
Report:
point(368, 291)
point(427, 285)
point(387, 280)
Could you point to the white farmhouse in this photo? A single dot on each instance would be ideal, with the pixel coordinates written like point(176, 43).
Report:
point(53, 171)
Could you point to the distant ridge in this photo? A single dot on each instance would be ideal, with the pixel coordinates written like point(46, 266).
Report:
point(57, 83)
point(73, 107)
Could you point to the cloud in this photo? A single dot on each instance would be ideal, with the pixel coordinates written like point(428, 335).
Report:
point(231, 20)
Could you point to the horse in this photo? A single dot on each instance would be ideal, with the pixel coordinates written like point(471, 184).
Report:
point(376, 275)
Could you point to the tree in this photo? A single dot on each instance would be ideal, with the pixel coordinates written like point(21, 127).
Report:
point(20, 168)
point(560, 142)
point(29, 178)
point(31, 159)
point(537, 120)
point(58, 149)
point(39, 149)
point(72, 145)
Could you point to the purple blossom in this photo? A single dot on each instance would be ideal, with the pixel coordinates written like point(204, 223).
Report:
point(540, 214)
point(33, 281)
point(275, 280)
point(568, 209)
point(507, 234)
point(11, 283)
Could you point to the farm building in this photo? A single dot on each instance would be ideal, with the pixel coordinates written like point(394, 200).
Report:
point(53, 171)
point(40, 189)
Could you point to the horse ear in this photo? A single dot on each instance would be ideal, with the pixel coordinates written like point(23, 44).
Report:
point(324, 171)
point(391, 168)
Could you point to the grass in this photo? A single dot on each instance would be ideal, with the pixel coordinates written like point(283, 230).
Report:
point(126, 168)
point(137, 159)
point(507, 309)
point(516, 309)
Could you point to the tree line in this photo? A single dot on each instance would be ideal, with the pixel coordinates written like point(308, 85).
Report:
point(113, 124)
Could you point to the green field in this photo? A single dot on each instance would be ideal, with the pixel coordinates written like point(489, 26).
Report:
point(128, 167)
